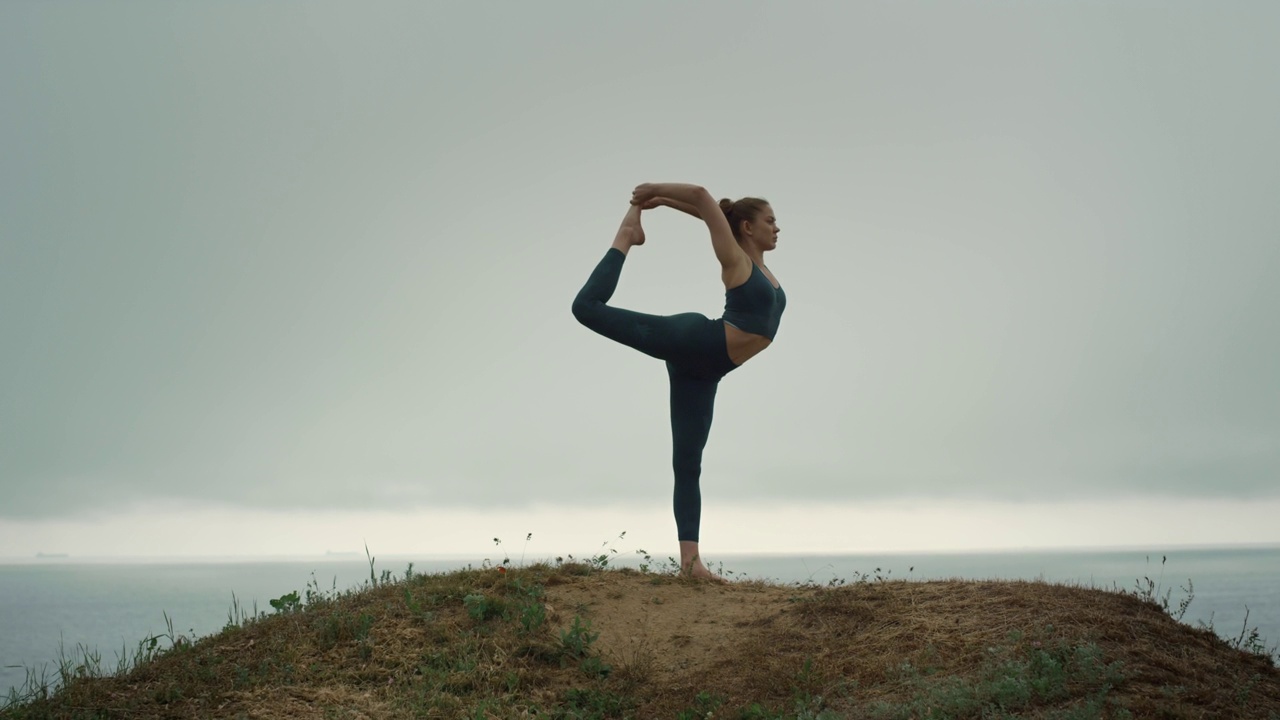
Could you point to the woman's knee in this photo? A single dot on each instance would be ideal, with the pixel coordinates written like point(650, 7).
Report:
point(585, 310)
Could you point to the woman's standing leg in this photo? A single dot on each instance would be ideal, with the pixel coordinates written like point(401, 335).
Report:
point(692, 404)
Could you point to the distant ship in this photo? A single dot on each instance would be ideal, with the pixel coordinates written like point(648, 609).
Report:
point(341, 553)
point(46, 555)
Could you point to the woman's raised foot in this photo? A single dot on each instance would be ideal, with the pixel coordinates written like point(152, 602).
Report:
point(630, 233)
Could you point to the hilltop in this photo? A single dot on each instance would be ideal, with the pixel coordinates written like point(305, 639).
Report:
point(574, 640)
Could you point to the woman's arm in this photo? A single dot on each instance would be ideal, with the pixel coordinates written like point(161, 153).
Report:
point(702, 205)
point(674, 204)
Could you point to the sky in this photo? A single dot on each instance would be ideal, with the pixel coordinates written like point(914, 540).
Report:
point(282, 278)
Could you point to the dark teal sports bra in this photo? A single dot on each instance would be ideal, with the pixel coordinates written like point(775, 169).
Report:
point(756, 305)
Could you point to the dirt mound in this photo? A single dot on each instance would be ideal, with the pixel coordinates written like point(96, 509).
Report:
point(575, 641)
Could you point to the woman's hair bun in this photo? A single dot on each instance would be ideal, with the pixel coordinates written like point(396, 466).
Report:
point(744, 210)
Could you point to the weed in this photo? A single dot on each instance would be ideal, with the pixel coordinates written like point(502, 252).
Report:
point(595, 667)
point(532, 616)
point(601, 561)
point(286, 604)
point(315, 595)
point(85, 664)
point(1245, 692)
point(237, 616)
point(373, 580)
point(505, 559)
point(594, 703)
point(1013, 678)
point(647, 565)
point(648, 560)
point(482, 607)
point(416, 607)
point(342, 627)
point(1149, 590)
point(704, 706)
point(1251, 642)
point(578, 638)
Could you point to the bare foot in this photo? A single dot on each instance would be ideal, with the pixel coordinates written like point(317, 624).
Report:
point(698, 571)
point(691, 563)
point(630, 233)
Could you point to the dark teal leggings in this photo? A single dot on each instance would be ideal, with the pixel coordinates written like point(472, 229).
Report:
point(694, 349)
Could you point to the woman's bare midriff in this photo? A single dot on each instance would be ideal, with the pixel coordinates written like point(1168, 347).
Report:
point(743, 345)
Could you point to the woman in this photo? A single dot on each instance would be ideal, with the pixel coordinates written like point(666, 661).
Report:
point(698, 351)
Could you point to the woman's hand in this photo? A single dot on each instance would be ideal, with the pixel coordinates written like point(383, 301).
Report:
point(679, 196)
point(644, 193)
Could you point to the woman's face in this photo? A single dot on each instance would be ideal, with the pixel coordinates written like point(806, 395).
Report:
point(764, 229)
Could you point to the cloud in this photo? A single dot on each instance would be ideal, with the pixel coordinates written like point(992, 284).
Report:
point(1027, 255)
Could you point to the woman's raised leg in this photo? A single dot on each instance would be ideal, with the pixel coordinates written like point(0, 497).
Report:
point(669, 337)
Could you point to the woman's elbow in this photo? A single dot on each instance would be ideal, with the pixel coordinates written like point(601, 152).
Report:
point(701, 196)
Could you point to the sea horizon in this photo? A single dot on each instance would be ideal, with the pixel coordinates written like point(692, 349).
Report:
point(348, 556)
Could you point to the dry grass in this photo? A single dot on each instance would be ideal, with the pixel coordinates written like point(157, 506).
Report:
point(494, 644)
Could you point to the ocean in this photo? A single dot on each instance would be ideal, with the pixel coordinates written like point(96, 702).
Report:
point(110, 605)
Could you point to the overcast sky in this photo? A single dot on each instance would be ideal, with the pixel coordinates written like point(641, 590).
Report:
point(287, 277)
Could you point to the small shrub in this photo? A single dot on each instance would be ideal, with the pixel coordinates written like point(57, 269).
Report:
point(578, 638)
point(289, 603)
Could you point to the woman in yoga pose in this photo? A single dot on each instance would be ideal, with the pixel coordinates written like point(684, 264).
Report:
point(698, 350)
